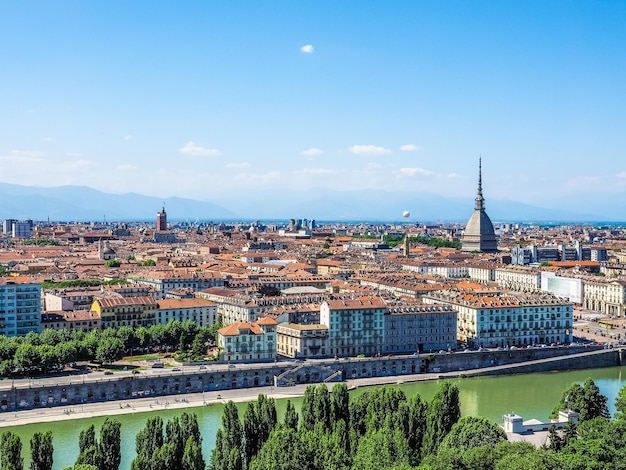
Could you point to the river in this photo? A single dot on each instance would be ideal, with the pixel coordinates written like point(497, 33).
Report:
point(528, 395)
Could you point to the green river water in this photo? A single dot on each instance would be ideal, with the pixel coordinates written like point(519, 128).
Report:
point(528, 395)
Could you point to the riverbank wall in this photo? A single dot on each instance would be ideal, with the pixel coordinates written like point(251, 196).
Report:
point(64, 391)
point(590, 360)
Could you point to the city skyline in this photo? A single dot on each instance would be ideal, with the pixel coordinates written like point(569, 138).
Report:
point(221, 102)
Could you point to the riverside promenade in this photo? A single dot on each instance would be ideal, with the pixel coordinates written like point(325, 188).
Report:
point(597, 358)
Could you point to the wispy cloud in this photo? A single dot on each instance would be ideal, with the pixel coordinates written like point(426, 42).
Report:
point(368, 150)
point(238, 165)
point(192, 149)
point(315, 171)
point(258, 178)
point(621, 175)
point(27, 153)
point(126, 167)
point(312, 152)
point(414, 172)
point(454, 175)
point(128, 137)
point(410, 148)
point(308, 49)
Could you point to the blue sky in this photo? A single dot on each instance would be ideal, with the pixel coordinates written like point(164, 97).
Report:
point(215, 99)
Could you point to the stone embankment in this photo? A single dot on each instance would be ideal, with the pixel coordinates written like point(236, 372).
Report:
point(67, 391)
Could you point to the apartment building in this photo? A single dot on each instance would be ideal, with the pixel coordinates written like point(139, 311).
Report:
point(419, 327)
point(20, 306)
point(121, 311)
point(163, 281)
point(200, 311)
point(355, 326)
point(518, 278)
point(302, 341)
point(235, 306)
point(84, 320)
point(248, 341)
point(508, 319)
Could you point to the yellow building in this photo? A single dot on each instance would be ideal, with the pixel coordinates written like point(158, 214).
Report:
point(131, 311)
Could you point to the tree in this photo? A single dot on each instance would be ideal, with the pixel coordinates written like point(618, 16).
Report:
point(110, 447)
point(41, 451)
point(150, 438)
point(87, 447)
point(178, 431)
point(443, 412)
point(109, 350)
point(149, 262)
point(291, 416)
point(620, 404)
point(382, 448)
point(11, 451)
point(113, 263)
point(340, 403)
point(307, 409)
point(284, 450)
point(470, 432)
point(250, 432)
point(27, 357)
point(229, 451)
point(586, 400)
point(192, 456)
point(416, 425)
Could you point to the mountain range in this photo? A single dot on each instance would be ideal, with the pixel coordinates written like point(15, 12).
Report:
point(80, 203)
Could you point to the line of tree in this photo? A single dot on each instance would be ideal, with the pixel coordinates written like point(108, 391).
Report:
point(178, 447)
point(52, 349)
point(82, 283)
point(380, 428)
point(436, 242)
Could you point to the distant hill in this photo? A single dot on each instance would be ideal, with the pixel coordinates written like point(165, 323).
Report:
point(86, 204)
point(325, 204)
point(80, 203)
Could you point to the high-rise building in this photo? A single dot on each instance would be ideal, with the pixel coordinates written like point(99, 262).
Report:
point(7, 226)
point(22, 229)
point(161, 221)
point(20, 306)
point(479, 234)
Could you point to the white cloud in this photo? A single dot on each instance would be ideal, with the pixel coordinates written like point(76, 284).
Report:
point(621, 175)
point(454, 175)
point(26, 154)
point(197, 151)
point(238, 165)
point(312, 152)
point(368, 150)
point(128, 137)
point(126, 167)
point(414, 171)
point(308, 49)
point(410, 148)
point(315, 171)
point(261, 178)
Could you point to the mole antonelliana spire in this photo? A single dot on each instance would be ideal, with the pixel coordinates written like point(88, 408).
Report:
point(479, 234)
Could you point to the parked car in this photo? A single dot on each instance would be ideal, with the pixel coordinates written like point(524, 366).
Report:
point(157, 365)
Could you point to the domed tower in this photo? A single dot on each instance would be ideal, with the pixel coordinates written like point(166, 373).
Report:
point(479, 234)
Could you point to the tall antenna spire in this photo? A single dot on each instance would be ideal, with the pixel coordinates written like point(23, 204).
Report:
point(480, 201)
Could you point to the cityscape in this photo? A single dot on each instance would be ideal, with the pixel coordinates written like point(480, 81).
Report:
point(286, 235)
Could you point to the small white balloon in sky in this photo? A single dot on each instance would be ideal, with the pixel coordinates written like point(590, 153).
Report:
point(406, 214)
